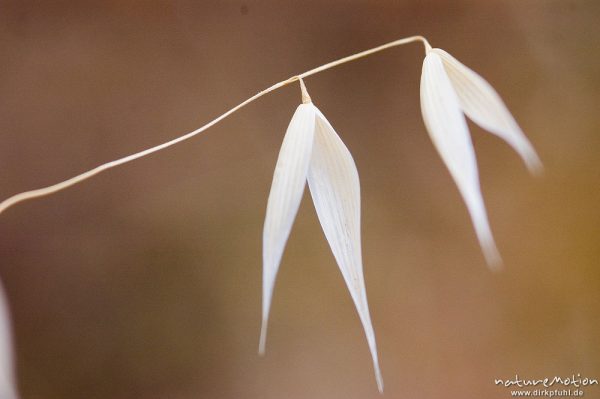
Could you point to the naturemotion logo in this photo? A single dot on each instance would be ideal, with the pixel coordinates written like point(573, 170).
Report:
point(569, 385)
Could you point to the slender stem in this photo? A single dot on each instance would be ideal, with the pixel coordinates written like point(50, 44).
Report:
point(366, 53)
point(15, 199)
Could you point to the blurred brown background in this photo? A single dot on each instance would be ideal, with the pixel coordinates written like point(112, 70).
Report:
point(145, 282)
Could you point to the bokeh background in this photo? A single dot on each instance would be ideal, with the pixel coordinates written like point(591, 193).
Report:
point(145, 282)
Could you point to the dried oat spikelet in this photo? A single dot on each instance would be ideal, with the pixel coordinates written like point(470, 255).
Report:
point(448, 91)
point(312, 151)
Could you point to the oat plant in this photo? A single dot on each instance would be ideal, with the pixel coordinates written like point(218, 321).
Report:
point(313, 152)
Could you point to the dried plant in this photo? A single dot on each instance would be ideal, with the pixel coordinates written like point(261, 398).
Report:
point(448, 88)
point(312, 151)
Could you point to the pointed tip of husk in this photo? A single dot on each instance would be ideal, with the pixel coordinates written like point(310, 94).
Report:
point(379, 380)
point(492, 257)
point(262, 342)
point(495, 265)
point(535, 165)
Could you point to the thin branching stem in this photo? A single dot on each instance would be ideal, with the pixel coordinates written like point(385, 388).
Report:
point(15, 199)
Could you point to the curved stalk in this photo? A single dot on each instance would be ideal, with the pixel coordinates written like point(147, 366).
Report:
point(27, 195)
